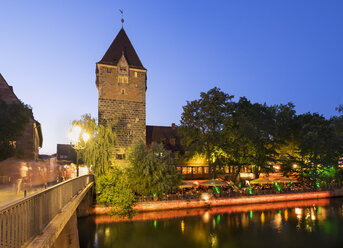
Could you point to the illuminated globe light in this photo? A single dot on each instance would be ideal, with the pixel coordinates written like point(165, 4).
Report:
point(205, 197)
point(85, 137)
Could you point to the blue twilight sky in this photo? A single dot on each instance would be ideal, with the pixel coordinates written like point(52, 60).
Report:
point(269, 51)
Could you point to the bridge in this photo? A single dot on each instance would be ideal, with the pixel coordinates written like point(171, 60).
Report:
point(47, 218)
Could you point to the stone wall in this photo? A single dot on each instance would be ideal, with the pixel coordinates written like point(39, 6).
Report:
point(122, 100)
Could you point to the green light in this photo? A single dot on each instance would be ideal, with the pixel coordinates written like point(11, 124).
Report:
point(154, 194)
point(240, 185)
point(318, 184)
point(319, 210)
point(279, 212)
point(250, 191)
point(278, 187)
point(251, 214)
point(155, 223)
point(218, 219)
point(217, 190)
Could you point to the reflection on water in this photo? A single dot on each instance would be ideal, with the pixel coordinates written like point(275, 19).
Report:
point(317, 223)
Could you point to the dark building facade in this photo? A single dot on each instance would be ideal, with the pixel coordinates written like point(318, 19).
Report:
point(121, 83)
point(31, 139)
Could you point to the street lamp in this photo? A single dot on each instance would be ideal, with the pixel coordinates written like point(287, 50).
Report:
point(78, 139)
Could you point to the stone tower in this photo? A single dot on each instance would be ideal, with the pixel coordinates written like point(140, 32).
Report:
point(121, 82)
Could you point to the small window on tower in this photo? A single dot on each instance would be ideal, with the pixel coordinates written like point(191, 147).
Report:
point(120, 156)
point(109, 70)
point(122, 91)
point(136, 74)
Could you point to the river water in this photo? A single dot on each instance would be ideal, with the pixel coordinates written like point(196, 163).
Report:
point(312, 223)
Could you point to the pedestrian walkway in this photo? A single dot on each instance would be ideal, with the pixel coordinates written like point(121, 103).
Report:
point(8, 193)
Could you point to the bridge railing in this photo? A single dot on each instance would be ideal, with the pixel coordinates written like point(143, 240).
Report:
point(22, 220)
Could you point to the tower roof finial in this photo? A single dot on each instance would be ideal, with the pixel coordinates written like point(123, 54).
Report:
point(122, 19)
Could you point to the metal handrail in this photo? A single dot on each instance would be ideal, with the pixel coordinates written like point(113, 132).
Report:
point(22, 220)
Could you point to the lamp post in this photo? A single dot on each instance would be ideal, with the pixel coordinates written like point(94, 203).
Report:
point(78, 139)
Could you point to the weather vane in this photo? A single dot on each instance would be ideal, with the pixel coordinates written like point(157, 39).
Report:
point(122, 19)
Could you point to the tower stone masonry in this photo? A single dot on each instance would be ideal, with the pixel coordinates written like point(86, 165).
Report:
point(121, 82)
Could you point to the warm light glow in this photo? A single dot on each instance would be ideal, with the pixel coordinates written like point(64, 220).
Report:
point(205, 196)
point(262, 218)
point(206, 217)
point(286, 214)
point(182, 226)
point(276, 167)
point(85, 137)
point(298, 211)
point(295, 166)
point(74, 134)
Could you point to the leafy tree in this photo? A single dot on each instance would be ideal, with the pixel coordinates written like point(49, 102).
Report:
point(255, 124)
point(99, 149)
point(115, 191)
point(202, 123)
point(319, 147)
point(152, 171)
point(14, 118)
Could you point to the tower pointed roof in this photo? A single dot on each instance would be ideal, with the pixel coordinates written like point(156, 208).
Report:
point(120, 45)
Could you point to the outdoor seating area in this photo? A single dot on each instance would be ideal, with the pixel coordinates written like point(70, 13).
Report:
point(193, 190)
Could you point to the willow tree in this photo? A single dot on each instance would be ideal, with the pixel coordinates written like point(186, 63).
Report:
point(152, 170)
point(98, 152)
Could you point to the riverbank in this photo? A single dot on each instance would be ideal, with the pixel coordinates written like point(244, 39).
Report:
point(234, 201)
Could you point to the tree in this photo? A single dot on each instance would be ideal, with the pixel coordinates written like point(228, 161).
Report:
point(320, 147)
point(14, 118)
point(255, 126)
point(202, 123)
point(152, 171)
point(115, 191)
point(99, 150)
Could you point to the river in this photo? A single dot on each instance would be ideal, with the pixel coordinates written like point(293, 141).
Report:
point(312, 223)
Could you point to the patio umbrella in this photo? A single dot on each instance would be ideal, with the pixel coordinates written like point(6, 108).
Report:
point(186, 185)
point(286, 180)
point(214, 183)
point(261, 181)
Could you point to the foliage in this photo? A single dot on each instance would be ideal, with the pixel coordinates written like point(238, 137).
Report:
point(14, 118)
point(202, 122)
point(244, 133)
point(115, 192)
point(99, 149)
point(153, 170)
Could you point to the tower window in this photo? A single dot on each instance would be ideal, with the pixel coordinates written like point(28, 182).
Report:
point(136, 74)
point(122, 91)
point(120, 156)
point(123, 79)
point(122, 69)
point(109, 70)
